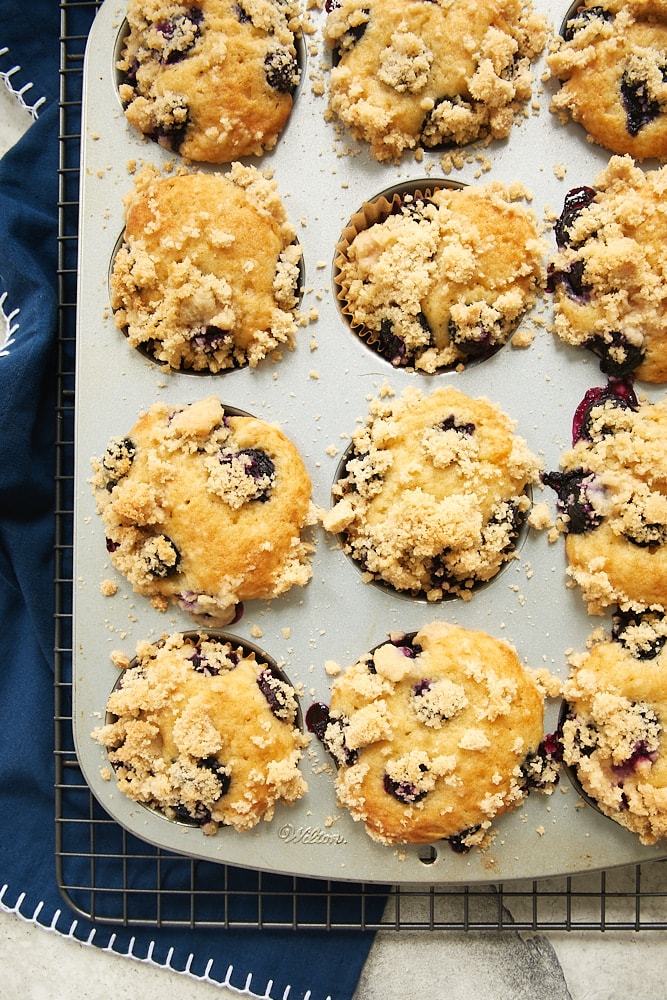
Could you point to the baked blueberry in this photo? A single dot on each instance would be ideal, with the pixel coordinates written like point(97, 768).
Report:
point(161, 557)
point(179, 34)
point(465, 427)
point(575, 202)
point(117, 460)
point(588, 423)
point(278, 694)
point(404, 791)
point(583, 18)
point(618, 357)
point(282, 70)
point(640, 107)
point(573, 490)
point(390, 346)
point(643, 633)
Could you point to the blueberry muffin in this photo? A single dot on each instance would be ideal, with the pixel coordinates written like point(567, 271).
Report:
point(432, 493)
point(207, 277)
point(608, 273)
point(612, 62)
point(212, 80)
point(204, 732)
point(434, 735)
point(434, 281)
point(433, 75)
point(204, 509)
point(612, 500)
point(612, 733)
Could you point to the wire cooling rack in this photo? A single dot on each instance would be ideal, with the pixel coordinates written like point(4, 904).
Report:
point(107, 875)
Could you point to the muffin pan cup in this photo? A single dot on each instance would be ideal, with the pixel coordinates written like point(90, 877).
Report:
point(318, 393)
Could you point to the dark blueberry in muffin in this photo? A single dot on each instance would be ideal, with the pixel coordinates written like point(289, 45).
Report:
point(203, 664)
point(331, 734)
point(617, 356)
point(476, 343)
point(647, 534)
point(439, 572)
point(575, 202)
point(421, 687)
point(282, 71)
point(317, 719)
point(209, 339)
point(390, 346)
point(571, 278)
point(617, 394)
point(111, 546)
point(275, 692)
point(171, 133)
point(405, 644)
point(257, 465)
point(540, 767)
point(200, 813)
point(585, 738)
point(161, 557)
point(637, 631)
point(117, 460)
point(582, 18)
point(459, 842)
point(640, 108)
point(404, 791)
point(220, 771)
point(179, 34)
point(131, 74)
point(572, 490)
point(509, 516)
point(241, 13)
point(355, 33)
point(645, 749)
point(467, 429)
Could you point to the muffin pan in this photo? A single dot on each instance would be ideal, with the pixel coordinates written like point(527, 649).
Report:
point(318, 393)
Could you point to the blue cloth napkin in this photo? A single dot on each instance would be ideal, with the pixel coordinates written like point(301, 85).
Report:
point(284, 964)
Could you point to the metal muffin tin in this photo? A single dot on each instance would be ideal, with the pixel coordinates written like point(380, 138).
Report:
point(317, 394)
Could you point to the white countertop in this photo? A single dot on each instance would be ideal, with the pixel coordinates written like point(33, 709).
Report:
point(38, 964)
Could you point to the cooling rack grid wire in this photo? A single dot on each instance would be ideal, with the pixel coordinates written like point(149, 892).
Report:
point(101, 882)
